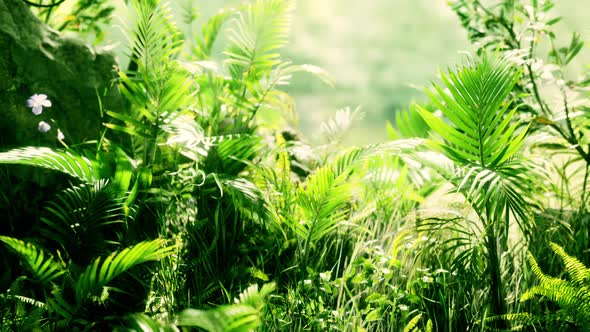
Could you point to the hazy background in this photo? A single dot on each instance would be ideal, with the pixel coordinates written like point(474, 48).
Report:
point(377, 51)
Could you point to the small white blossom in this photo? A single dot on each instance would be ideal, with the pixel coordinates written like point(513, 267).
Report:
point(44, 127)
point(37, 102)
point(60, 135)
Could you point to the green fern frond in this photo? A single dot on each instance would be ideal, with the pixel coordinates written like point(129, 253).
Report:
point(42, 265)
point(258, 32)
point(254, 297)
point(27, 300)
point(578, 272)
point(67, 162)
point(102, 271)
point(572, 296)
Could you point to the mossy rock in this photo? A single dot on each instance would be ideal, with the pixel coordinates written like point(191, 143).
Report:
point(35, 59)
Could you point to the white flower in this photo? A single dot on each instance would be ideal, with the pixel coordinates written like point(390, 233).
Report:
point(44, 127)
point(60, 135)
point(36, 102)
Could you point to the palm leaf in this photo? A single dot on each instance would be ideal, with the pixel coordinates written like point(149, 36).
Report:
point(482, 140)
point(83, 218)
point(102, 271)
point(407, 124)
point(244, 316)
point(42, 265)
point(67, 162)
point(209, 34)
point(152, 35)
point(322, 201)
point(258, 32)
point(228, 318)
point(476, 106)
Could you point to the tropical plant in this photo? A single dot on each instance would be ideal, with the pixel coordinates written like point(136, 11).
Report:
point(68, 288)
point(483, 142)
point(242, 316)
point(552, 102)
point(572, 297)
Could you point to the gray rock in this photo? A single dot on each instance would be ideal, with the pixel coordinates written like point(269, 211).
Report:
point(35, 59)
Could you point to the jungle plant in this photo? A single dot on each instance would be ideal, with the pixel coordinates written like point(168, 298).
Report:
point(572, 297)
point(483, 142)
point(243, 315)
point(68, 289)
point(552, 101)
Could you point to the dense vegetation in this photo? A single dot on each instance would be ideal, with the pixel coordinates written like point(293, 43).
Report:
point(202, 207)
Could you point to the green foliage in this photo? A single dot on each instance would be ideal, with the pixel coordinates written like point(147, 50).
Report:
point(85, 17)
point(408, 123)
point(210, 31)
point(571, 296)
point(95, 276)
point(259, 31)
point(60, 279)
point(484, 143)
point(43, 266)
point(243, 315)
point(208, 157)
point(67, 162)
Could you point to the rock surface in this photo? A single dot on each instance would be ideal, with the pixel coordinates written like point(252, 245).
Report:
point(35, 59)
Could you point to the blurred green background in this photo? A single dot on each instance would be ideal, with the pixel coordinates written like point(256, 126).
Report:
point(380, 52)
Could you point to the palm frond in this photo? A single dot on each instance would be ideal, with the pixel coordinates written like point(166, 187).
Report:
point(159, 87)
point(482, 139)
point(476, 106)
point(254, 297)
point(243, 316)
point(67, 162)
point(341, 123)
point(143, 323)
point(407, 124)
point(152, 36)
point(230, 152)
point(258, 32)
point(83, 219)
point(322, 201)
point(104, 270)
point(210, 31)
point(226, 318)
point(42, 265)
